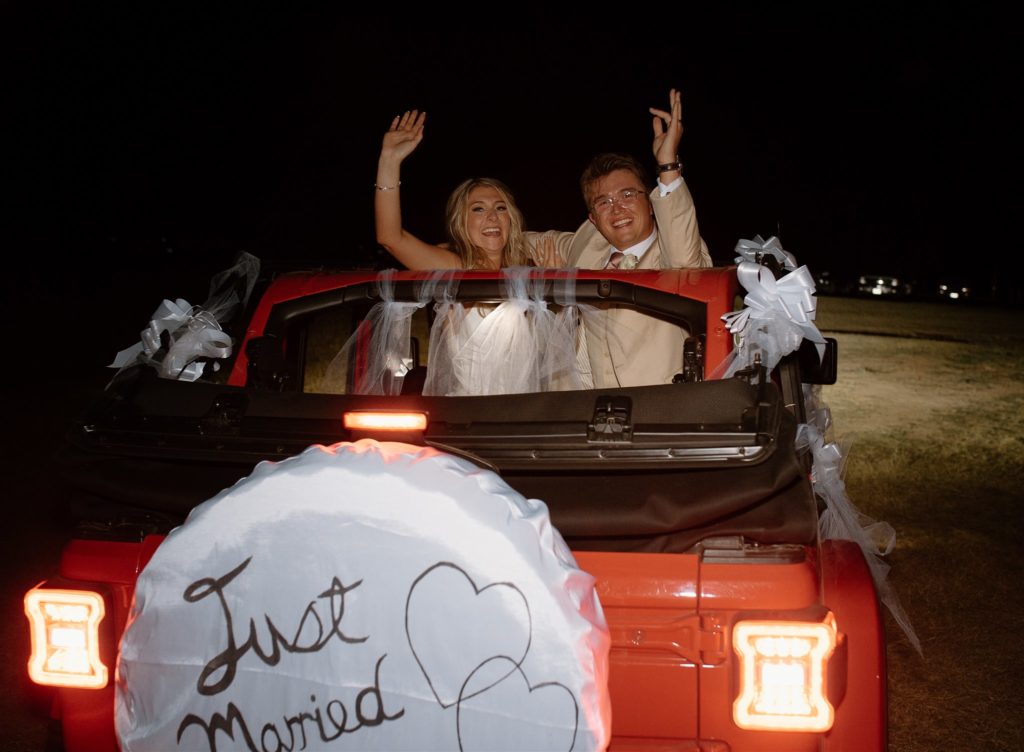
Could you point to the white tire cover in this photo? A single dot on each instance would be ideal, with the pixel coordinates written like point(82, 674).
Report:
point(377, 596)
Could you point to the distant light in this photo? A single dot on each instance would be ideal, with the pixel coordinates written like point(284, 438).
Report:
point(954, 295)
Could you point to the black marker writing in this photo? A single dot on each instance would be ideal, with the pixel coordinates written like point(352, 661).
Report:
point(227, 660)
point(329, 722)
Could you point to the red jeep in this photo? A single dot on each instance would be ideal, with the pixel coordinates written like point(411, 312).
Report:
point(733, 625)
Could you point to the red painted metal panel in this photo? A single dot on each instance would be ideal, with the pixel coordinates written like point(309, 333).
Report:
point(650, 603)
point(740, 587)
point(87, 720)
point(102, 561)
point(87, 716)
point(848, 590)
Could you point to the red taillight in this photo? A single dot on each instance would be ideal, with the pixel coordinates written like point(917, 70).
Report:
point(782, 675)
point(65, 638)
point(385, 420)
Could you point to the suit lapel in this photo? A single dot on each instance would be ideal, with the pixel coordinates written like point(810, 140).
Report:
point(594, 249)
point(652, 259)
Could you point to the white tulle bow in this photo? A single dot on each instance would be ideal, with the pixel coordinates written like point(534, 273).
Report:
point(194, 333)
point(778, 315)
point(750, 250)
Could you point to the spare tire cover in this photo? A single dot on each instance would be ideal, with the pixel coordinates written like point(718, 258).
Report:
point(364, 596)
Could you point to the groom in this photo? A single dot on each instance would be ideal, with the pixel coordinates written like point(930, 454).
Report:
point(627, 228)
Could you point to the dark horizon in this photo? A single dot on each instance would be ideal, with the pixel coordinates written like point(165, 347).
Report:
point(175, 137)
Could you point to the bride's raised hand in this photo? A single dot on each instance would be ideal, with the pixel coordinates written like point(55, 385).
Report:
point(403, 136)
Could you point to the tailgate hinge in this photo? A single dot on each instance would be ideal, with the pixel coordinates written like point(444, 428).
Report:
point(712, 640)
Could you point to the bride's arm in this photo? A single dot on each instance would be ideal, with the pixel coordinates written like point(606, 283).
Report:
point(400, 141)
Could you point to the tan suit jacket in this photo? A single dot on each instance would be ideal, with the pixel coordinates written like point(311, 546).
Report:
point(628, 348)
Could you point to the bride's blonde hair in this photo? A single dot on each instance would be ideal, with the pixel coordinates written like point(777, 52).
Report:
point(516, 251)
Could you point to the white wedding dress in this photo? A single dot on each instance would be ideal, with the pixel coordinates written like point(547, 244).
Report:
point(516, 346)
point(520, 344)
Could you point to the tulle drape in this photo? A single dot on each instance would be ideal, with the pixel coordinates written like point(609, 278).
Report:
point(378, 356)
point(515, 345)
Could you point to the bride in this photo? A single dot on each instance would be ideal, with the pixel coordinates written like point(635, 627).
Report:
point(485, 226)
point(488, 349)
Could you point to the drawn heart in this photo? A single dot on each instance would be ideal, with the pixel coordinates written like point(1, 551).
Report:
point(455, 630)
point(515, 715)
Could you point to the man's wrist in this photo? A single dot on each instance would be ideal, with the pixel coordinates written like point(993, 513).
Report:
point(673, 166)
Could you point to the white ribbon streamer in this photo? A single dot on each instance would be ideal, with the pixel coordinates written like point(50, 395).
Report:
point(841, 519)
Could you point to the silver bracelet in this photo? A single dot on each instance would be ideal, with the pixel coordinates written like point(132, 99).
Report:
point(387, 187)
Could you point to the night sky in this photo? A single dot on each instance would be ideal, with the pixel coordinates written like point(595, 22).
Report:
point(163, 138)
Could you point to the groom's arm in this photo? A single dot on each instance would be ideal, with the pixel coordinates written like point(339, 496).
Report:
point(679, 238)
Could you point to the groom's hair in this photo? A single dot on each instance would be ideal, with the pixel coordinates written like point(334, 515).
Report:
point(605, 164)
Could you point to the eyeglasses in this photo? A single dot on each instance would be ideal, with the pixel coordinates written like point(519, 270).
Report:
point(625, 197)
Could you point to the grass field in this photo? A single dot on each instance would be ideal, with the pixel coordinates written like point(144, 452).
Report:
point(933, 419)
